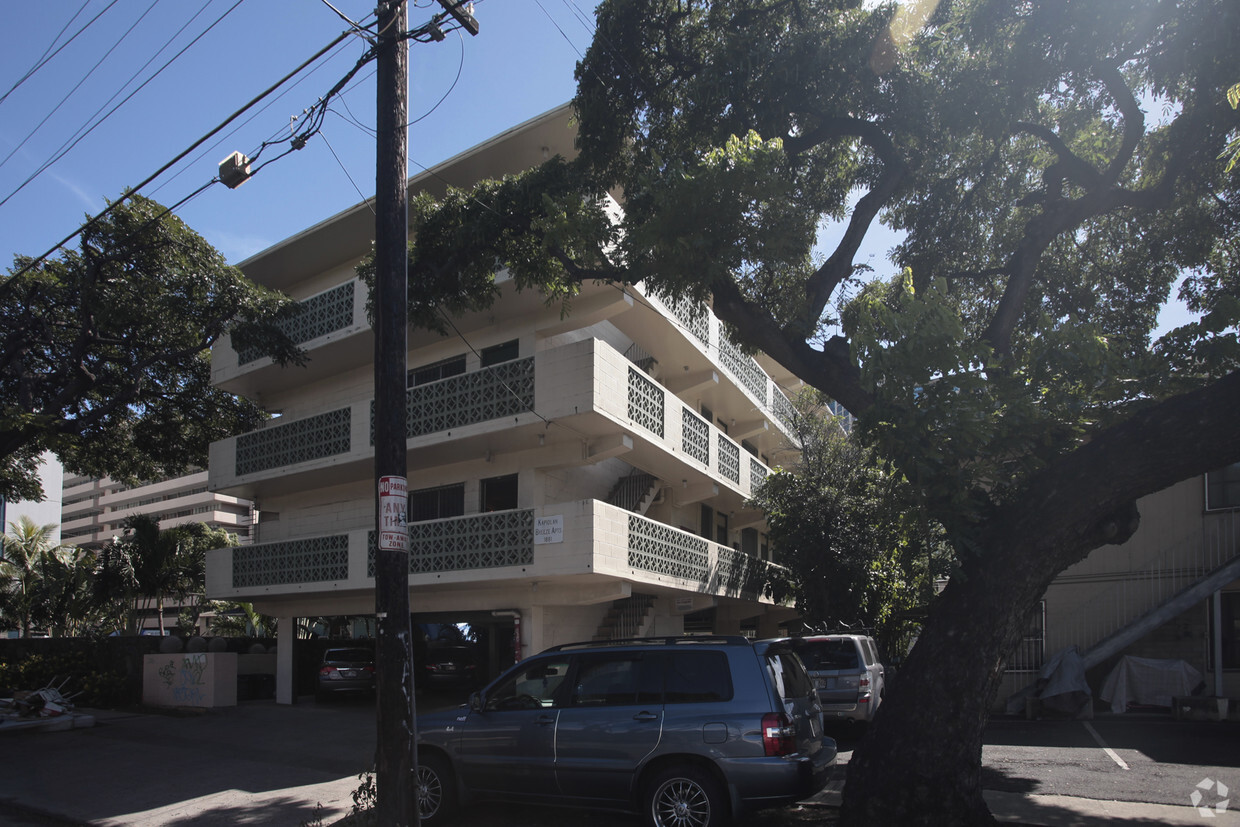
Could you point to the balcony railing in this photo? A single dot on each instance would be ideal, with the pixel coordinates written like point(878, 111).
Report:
point(317, 316)
point(480, 547)
point(480, 541)
point(578, 374)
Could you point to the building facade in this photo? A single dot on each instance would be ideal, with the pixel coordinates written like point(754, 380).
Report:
point(572, 475)
point(1171, 592)
point(93, 511)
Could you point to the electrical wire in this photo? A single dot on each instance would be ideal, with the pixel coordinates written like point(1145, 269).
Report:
point(43, 61)
point(133, 190)
point(78, 133)
point(78, 85)
point(46, 165)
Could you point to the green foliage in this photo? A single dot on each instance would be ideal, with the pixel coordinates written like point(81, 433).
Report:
point(857, 548)
point(156, 564)
point(104, 352)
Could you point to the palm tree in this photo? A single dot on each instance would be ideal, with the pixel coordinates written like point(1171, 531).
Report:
point(67, 575)
point(157, 565)
point(21, 596)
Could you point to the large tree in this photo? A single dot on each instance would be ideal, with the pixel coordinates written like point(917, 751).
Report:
point(105, 351)
point(1055, 167)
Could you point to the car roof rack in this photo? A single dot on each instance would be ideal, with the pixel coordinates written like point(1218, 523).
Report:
point(661, 640)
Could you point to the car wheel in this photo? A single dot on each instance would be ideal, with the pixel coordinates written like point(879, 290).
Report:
point(684, 796)
point(434, 790)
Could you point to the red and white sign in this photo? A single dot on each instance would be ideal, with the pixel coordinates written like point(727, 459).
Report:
point(393, 504)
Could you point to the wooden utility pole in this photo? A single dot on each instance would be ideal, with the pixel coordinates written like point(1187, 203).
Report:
point(394, 752)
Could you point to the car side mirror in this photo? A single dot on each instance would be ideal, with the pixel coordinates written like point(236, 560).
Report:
point(476, 702)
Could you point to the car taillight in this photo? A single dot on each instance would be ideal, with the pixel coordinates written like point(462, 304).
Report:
point(327, 670)
point(778, 736)
point(368, 668)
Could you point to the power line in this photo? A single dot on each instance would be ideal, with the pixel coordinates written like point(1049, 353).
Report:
point(159, 71)
point(165, 167)
point(78, 85)
point(46, 58)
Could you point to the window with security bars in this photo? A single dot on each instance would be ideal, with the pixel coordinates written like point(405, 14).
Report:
point(436, 371)
point(1031, 651)
point(437, 503)
point(1223, 488)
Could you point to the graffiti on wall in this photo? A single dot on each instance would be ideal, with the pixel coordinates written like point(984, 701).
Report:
point(184, 675)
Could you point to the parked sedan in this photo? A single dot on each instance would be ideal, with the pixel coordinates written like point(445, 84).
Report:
point(348, 670)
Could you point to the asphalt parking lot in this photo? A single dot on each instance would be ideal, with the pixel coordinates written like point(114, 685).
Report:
point(262, 763)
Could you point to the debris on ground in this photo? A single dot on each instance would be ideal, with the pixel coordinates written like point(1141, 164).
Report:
point(47, 708)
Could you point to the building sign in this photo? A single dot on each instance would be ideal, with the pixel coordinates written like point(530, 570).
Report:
point(684, 604)
point(549, 529)
point(393, 504)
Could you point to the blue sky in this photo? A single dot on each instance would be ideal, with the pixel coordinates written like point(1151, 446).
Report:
point(462, 91)
point(520, 65)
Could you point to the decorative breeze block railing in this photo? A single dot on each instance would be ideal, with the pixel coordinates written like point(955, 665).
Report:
point(738, 573)
point(693, 315)
point(317, 316)
point(313, 560)
point(481, 395)
point(743, 367)
point(729, 459)
point(695, 436)
point(275, 446)
point(757, 474)
point(478, 541)
point(661, 549)
point(783, 409)
point(645, 402)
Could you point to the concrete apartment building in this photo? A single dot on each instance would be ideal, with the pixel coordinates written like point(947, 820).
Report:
point(92, 510)
point(570, 477)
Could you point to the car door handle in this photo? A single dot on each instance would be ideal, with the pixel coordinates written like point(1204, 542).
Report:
point(545, 720)
point(645, 716)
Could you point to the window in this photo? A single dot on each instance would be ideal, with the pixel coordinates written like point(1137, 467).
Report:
point(749, 541)
point(499, 493)
point(721, 528)
point(1223, 488)
point(435, 371)
point(697, 677)
point(1230, 607)
point(436, 503)
point(535, 686)
point(618, 680)
point(505, 352)
point(1028, 654)
point(788, 676)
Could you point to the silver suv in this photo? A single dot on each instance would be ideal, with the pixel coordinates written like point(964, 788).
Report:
point(847, 672)
point(685, 731)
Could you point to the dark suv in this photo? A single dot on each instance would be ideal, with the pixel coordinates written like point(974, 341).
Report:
point(685, 731)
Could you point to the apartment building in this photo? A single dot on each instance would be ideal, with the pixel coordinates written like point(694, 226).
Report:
point(1171, 592)
point(571, 476)
point(92, 511)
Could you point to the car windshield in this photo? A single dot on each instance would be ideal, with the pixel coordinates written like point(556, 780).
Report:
point(351, 655)
point(829, 654)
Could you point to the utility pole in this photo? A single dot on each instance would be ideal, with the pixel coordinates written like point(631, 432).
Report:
point(394, 752)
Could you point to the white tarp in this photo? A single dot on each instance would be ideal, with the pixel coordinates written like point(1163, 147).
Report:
point(1060, 686)
point(1148, 681)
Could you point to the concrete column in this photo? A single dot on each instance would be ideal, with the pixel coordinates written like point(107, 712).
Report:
point(286, 634)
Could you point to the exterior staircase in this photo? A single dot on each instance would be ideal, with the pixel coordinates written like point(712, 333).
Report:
point(626, 618)
point(635, 492)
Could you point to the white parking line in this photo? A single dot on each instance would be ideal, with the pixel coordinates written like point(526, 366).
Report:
point(1104, 746)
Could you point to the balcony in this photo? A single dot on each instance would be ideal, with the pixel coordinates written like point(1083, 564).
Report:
point(598, 543)
point(586, 387)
